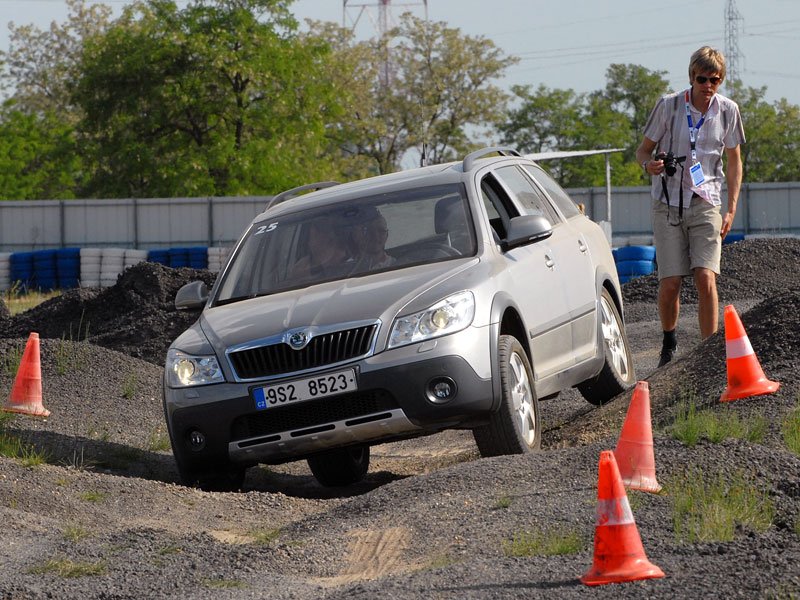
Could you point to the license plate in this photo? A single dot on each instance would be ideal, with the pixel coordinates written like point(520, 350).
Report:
point(309, 388)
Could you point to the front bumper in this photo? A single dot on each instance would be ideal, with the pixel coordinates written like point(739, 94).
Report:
point(391, 403)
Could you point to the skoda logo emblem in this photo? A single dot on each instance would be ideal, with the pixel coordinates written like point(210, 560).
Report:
point(298, 340)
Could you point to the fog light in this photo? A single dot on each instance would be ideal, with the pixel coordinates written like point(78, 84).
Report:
point(197, 441)
point(441, 390)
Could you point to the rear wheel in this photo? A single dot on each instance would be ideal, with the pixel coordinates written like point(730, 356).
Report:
point(516, 427)
point(617, 374)
point(343, 466)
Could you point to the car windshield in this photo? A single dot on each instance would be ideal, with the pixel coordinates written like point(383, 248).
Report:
point(351, 239)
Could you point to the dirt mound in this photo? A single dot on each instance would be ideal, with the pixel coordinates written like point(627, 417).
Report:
point(136, 316)
point(751, 268)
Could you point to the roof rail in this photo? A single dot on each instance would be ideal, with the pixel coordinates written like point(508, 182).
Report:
point(288, 194)
point(470, 158)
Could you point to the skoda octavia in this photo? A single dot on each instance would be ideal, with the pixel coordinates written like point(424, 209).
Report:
point(349, 315)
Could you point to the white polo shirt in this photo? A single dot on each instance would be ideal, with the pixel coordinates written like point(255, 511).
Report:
point(669, 128)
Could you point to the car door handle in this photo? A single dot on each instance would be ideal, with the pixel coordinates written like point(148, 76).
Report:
point(549, 262)
point(582, 246)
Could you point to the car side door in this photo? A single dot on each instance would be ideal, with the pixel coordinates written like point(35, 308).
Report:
point(575, 250)
point(528, 275)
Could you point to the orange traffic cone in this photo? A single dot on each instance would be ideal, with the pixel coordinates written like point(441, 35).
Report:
point(634, 451)
point(26, 395)
point(618, 552)
point(745, 376)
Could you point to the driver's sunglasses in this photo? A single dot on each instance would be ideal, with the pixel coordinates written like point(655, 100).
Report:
point(702, 79)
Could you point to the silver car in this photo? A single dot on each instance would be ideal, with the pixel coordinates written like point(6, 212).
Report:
point(449, 296)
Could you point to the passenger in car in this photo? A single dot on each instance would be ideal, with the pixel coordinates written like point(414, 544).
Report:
point(328, 253)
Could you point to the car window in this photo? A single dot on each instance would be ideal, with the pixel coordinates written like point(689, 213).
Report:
point(530, 198)
point(498, 205)
point(351, 238)
point(556, 192)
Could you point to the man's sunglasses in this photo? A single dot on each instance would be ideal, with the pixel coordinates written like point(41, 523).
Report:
point(702, 79)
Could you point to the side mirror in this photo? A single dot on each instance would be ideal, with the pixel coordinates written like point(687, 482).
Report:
point(192, 296)
point(526, 229)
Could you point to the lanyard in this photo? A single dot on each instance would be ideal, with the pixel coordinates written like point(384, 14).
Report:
point(692, 129)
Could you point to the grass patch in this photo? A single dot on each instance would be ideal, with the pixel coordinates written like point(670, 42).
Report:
point(75, 533)
point(223, 584)
point(707, 510)
point(170, 549)
point(69, 569)
point(129, 386)
point(19, 301)
point(790, 428)
point(92, 496)
point(12, 446)
point(691, 425)
point(503, 501)
point(544, 543)
point(264, 537)
point(440, 561)
point(158, 441)
point(11, 360)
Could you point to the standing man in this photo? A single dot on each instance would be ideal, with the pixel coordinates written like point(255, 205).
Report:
point(689, 131)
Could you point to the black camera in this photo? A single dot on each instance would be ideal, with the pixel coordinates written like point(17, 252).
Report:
point(670, 161)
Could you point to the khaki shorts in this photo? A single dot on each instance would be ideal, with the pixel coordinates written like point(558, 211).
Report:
point(695, 242)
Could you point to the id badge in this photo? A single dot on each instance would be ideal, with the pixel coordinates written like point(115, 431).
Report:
point(698, 178)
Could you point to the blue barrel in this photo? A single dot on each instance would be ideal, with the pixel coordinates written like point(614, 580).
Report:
point(68, 267)
point(178, 257)
point(44, 270)
point(635, 267)
point(21, 269)
point(198, 257)
point(634, 253)
point(732, 238)
point(158, 256)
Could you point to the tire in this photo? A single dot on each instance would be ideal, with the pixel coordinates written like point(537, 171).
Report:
point(618, 373)
point(340, 467)
point(516, 428)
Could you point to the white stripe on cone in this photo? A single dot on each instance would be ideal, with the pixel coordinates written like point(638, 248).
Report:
point(614, 512)
point(738, 348)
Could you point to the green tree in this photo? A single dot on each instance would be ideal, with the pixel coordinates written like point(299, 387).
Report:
point(38, 65)
point(422, 84)
point(772, 150)
point(38, 156)
point(219, 98)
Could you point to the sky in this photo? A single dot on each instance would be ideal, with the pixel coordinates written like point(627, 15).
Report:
point(567, 44)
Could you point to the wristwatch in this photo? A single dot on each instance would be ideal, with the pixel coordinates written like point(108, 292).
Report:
point(644, 165)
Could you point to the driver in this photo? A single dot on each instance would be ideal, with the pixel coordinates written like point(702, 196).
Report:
point(370, 234)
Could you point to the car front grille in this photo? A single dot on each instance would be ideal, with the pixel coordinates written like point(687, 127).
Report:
point(322, 350)
point(305, 415)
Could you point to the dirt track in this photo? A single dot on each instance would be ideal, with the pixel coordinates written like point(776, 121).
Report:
point(430, 521)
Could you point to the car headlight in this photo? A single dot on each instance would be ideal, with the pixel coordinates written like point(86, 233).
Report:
point(452, 314)
point(185, 370)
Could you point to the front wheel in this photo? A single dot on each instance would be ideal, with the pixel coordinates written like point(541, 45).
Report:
point(617, 374)
point(516, 427)
point(343, 466)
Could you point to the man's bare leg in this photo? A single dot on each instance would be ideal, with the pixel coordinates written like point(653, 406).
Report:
point(708, 302)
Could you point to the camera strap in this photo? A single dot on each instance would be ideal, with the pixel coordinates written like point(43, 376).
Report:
point(680, 192)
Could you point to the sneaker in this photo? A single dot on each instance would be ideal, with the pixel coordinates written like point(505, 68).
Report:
point(666, 355)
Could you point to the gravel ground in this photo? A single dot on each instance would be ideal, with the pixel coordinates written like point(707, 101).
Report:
point(105, 518)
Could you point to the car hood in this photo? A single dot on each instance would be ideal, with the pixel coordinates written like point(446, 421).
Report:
point(375, 297)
